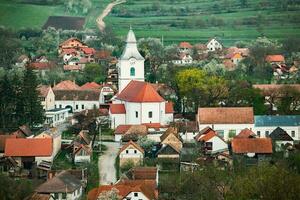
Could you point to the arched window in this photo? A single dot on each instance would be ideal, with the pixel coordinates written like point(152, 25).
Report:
point(132, 71)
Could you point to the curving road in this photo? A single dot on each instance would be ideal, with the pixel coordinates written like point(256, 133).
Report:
point(106, 163)
point(106, 11)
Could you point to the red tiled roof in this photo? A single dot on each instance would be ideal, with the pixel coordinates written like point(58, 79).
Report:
point(122, 129)
point(131, 143)
point(43, 90)
point(117, 109)
point(251, 145)
point(102, 54)
point(28, 147)
point(90, 86)
point(69, 51)
point(41, 65)
point(137, 91)
point(205, 134)
point(228, 115)
point(245, 133)
point(169, 107)
point(185, 45)
point(66, 42)
point(271, 88)
point(275, 58)
point(66, 85)
point(3, 139)
point(88, 50)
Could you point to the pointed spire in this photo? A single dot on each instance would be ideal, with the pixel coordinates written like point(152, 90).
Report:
point(131, 49)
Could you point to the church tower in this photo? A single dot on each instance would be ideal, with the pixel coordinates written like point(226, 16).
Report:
point(131, 63)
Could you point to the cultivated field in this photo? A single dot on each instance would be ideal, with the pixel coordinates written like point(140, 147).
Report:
point(175, 20)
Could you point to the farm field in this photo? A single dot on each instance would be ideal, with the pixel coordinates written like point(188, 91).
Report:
point(174, 20)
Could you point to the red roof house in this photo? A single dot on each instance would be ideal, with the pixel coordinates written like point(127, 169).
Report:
point(275, 59)
point(66, 85)
point(252, 145)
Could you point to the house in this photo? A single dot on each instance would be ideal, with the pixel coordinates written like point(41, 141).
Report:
point(185, 47)
point(244, 52)
point(47, 97)
point(70, 44)
point(64, 185)
point(27, 152)
point(22, 61)
point(214, 45)
point(235, 58)
point(166, 92)
point(210, 141)
point(187, 130)
point(246, 133)
point(253, 150)
point(66, 85)
point(55, 135)
point(266, 124)
point(142, 173)
point(131, 152)
point(90, 86)
point(275, 59)
point(82, 147)
point(227, 122)
point(128, 189)
point(42, 66)
point(169, 151)
point(23, 132)
point(183, 59)
point(129, 132)
point(281, 139)
point(171, 136)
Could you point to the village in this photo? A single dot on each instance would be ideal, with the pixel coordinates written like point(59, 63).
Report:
point(124, 137)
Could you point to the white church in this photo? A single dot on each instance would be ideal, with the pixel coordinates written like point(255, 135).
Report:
point(137, 102)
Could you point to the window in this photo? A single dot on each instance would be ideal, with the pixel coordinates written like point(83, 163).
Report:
point(76, 107)
point(135, 194)
point(55, 195)
point(220, 133)
point(208, 145)
point(127, 151)
point(64, 195)
point(132, 71)
point(293, 133)
point(258, 133)
point(59, 105)
point(135, 151)
point(136, 114)
point(267, 133)
point(82, 106)
point(150, 114)
point(232, 133)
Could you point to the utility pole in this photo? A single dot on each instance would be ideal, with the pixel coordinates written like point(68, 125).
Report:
point(100, 135)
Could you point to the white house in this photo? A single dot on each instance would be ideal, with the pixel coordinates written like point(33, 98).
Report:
point(131, 152)
point(137, 101)
point(266, 124)
point(213, 45)
point(227, 121)
point(183, 59)
point(212, 143)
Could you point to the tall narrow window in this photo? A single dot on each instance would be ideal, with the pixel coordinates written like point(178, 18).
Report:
point(132, 71)
point(136, 114)
point(150, 114)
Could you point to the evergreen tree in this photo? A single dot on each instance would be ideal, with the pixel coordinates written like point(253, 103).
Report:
point(30, 109)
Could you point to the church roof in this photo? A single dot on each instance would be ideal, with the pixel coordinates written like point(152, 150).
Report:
point(137, 91)
point(131, 50)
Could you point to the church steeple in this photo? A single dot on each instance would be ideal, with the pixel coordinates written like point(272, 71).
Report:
point(131, 50)
point(131, 62)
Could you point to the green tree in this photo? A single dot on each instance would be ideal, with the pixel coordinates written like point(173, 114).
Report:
point(30, 109)
point(94, 72)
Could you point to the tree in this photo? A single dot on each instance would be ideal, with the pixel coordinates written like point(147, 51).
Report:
point(14, 189)
point(288, 100)
point(94, 72)
point(30, 109)
point(146, 143)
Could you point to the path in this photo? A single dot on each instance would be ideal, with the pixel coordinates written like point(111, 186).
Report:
point(106, 163)
point(106, 11)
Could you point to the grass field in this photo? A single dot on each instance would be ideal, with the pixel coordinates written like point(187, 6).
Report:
point(175, 20)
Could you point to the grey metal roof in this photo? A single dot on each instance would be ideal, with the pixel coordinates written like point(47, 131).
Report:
point(278, 120)
point(131, 50)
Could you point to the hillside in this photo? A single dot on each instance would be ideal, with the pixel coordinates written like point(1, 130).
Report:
point(176, 20)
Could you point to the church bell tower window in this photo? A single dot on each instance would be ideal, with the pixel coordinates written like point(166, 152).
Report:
point(132, 71)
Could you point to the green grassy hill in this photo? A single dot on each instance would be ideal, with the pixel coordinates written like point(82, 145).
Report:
point(177, 20)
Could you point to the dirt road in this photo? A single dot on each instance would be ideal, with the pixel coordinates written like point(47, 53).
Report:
point(106, 163)
point(100, 23)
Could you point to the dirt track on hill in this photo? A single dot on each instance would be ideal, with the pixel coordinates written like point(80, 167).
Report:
point(100, 23)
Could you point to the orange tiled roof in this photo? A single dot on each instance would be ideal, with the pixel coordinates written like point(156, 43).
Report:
point(43, 90)
point(251, 145)
point(228, 115)
point(185, 45)
point(3, 139)
point(117, 109)
point(90, 86)
point(88, 50)
point(131, 143)
point(245, 133)
point(169, 107)
point(28, 147)
point(66, 85)
point(138, 91)
point(122, 129)
point(275, 58)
